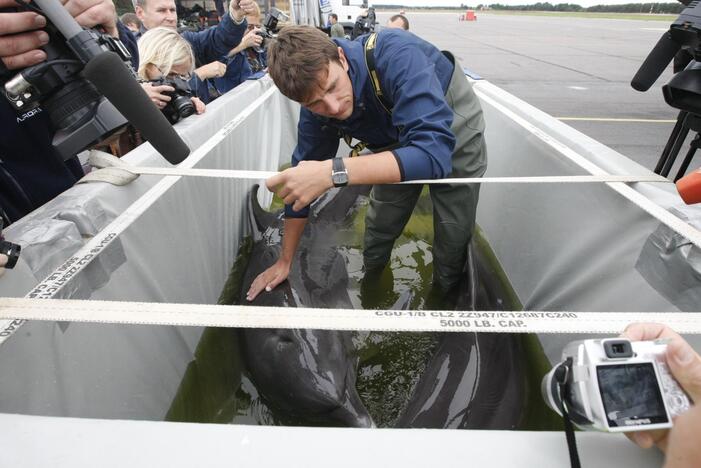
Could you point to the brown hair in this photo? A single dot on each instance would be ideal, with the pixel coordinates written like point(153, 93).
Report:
point(298, 60)
point(405, 21)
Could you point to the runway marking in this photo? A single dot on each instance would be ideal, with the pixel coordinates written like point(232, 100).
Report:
point(610, 119)
point(655, 29)
point(578, 88)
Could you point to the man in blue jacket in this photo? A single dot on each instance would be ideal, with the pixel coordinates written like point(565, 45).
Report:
point(407, 102)
point(31, 172)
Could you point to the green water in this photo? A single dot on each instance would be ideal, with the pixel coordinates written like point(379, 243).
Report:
point(216, 387)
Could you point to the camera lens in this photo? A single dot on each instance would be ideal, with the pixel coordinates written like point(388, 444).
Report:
point(183, 105)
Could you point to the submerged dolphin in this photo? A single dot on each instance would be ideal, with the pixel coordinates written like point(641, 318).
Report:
point(474, 380)
point(306, 373)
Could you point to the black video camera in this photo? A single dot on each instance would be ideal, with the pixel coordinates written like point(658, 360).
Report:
point(180, 105)
point(364, 24)
point(79, 114)
point(270, 26)
point(683, 38)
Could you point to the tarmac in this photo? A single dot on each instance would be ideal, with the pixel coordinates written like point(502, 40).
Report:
point(576, 69)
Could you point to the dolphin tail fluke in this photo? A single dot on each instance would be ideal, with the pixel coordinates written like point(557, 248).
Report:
point(258, 218)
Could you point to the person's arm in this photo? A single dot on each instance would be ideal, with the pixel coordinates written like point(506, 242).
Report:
point(419, 109)
point(3, 262)
point(314, 142)
point(680, 443)
point(214, 69)
point(251, 39)
point(301, 185)
point(276, 274)
point(213, 43)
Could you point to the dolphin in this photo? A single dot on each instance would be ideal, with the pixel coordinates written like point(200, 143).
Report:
point(305, 373)
point(474, 380)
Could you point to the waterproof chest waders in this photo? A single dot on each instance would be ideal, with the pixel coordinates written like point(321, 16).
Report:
point(454, 206)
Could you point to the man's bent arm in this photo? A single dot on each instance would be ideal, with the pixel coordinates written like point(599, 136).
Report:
point(300, 185)
point(276, 274)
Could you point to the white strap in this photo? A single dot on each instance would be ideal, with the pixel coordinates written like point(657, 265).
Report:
point(148, 313)
point(259, 175)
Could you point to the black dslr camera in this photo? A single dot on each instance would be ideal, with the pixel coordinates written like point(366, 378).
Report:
point(79, 114)
point(180, 105)
point(269, 26)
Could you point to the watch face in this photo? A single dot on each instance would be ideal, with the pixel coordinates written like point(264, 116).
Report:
point(340, 178)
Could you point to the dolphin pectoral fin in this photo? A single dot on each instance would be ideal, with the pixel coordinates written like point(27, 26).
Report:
point(258, 218)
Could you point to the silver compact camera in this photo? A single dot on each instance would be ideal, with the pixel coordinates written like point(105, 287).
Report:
point(615, 385)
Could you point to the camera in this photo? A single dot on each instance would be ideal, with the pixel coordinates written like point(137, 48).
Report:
point(79, 115)
point(180, 105)
point(269, 26)
point(615, 385)
point(364, 24)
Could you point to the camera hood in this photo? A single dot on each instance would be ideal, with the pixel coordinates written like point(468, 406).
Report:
point(684, 91)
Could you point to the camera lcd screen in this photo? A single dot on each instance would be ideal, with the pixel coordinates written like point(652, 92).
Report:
point(631, 395)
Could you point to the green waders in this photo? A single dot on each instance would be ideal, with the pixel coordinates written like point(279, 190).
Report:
point(454, 206)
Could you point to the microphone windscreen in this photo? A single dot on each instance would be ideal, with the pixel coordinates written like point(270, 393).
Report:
point(655, 63)
point(112, 77)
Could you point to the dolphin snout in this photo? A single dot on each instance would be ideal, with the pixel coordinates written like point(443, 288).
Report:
point(352, 412)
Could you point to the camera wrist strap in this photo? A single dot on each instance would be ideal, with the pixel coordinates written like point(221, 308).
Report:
point(563, 388)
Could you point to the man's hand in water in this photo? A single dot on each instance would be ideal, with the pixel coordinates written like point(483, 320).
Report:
point(269, 279)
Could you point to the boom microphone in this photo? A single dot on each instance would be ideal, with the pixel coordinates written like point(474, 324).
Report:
point(116, 82)
point(655, 63)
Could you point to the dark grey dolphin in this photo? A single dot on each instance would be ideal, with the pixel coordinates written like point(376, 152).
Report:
point(474, 380)
point(306, 373)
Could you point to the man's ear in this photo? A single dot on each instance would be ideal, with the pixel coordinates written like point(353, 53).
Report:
point(139, 12)
point(342, 59)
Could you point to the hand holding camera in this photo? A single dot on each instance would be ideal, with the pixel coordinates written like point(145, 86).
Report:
point(179, 104)
point(252, 38)
point(684, 365)
point(91, 13)
point(21, 37)
point(643, 384)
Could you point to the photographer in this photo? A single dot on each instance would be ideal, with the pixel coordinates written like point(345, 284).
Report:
point(681, 443)
point(209, 45)
point(31, 172)
point(167, 56)
point(246, 58)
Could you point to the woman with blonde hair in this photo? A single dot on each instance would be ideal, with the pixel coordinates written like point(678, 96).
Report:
point(163, 53)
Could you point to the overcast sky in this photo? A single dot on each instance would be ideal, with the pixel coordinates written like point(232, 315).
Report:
point(584, 3)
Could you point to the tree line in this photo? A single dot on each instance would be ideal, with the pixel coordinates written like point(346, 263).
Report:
point(669, 8)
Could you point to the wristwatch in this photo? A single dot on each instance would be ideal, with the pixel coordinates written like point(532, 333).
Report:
point(339, 174)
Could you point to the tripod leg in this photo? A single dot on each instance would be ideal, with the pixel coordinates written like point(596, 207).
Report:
point(675, 152)
point(695, 143)
point(671, 141)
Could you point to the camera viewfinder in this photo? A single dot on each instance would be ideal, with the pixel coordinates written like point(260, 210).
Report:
point(618, 349)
